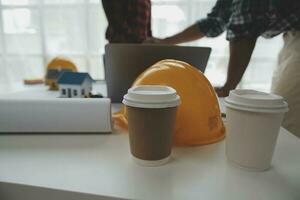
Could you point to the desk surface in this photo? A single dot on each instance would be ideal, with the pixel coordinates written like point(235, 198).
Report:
point(101, 165)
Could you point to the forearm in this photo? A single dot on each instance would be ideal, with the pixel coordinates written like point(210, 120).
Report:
point(189, 34)
point(240, 53)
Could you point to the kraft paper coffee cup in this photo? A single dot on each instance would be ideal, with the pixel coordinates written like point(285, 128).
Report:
point(253, 123)
point(151, 113)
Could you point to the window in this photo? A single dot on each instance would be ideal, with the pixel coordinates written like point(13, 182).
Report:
point(64, 91)
point(75, 92)
point(82, 92)
point(34, 31)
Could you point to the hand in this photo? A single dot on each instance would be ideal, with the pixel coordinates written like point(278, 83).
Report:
point(222, 91)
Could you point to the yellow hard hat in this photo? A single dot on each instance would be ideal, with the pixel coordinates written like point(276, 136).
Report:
point(61, 63)
point(198, 118)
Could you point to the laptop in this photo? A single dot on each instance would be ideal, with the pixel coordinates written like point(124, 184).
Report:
point(123, 63)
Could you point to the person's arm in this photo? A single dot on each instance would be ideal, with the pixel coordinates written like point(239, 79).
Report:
point(211, 26)
point(189, 34)
point(240, 53)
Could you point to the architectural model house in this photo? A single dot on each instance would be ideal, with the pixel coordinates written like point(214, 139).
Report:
point(75, 84)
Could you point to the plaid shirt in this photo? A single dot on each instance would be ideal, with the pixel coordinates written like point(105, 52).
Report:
point(251, 18)
point(129, 21)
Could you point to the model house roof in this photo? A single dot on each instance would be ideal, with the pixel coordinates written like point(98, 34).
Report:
point(74, 78)
point(55, 73)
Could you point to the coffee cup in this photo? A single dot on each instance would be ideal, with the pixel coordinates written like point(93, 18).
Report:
point(151, 113)
point(253, 121)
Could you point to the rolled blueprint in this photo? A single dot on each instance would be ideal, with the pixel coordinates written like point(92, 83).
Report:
point(55, 115)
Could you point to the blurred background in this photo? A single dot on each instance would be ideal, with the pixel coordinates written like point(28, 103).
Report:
point(32, 32)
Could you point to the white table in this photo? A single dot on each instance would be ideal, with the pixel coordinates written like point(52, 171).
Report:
point(101, 165)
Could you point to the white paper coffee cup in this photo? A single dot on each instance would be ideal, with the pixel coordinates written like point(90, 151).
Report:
point(151, 96)
point(253, 123)
point(151, 113)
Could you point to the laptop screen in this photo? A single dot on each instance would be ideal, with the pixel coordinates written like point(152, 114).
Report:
point(125, 62)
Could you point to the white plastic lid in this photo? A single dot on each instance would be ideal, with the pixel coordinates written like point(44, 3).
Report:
point(151, 96)
point(251, 100)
